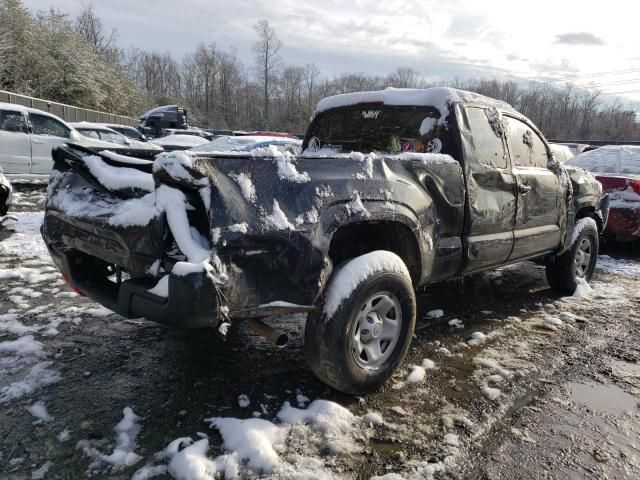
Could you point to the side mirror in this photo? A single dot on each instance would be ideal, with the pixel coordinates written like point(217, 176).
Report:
point(75, 136)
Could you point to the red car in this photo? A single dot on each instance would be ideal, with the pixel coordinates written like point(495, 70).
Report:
point(617, 168)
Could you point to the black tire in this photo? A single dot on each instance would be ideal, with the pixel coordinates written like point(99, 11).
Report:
point(561, 271)
point(328, 341)
point(4, 199)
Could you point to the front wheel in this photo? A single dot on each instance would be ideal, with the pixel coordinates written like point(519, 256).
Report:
point(364, 328)
point(578, 262)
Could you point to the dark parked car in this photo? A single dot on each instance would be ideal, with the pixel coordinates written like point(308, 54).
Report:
point(154, 121)
point(129, 132)
point(396, 190)
point(617, 168)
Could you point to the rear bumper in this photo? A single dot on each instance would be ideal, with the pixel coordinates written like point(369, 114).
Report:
point(191, 301)
point(624, 223)
point(83, 250)
point(280, 279)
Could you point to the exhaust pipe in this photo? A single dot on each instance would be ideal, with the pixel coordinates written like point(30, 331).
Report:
point(272, 335)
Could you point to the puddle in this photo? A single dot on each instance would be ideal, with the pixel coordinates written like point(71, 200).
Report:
point(603, 398)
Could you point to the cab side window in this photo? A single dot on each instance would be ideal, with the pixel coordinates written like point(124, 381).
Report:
point(12, 121)
point(527, 148)
point(44, 125)
point(489, 147)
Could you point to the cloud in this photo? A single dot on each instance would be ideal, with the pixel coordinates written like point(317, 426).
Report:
point(579, 38)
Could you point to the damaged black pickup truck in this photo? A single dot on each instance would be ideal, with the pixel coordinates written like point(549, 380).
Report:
point(396, 189)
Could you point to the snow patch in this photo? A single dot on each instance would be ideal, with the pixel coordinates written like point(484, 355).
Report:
point(118, 178)
point(247, 188)
point(41, 472)
point(278, 219)
point(427, 125)
point(583, 290)
point(416, 374)
point(355, 207)
point(161, 289)
point(174, 203)
point(239, 228)
point(287, 170)
point(39, 410)
point(123, 454)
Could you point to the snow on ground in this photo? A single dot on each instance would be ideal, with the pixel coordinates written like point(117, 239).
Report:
point(123, 454)
point(26, 241)
point(618, 266)
point(39, 410)
point(304, 442)
point(258, 446)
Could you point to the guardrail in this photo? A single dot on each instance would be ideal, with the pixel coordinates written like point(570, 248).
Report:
point(599, 143)
point(68, 113)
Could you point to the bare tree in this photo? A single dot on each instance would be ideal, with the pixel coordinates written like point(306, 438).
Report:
point(266, 50)
point(94, 32)
point(404, 77)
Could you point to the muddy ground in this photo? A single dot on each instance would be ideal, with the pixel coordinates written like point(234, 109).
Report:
point(534, 398)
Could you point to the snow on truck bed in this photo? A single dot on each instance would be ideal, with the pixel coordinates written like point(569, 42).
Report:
point(439, 97)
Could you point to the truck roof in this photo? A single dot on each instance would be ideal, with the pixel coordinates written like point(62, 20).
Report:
point(437, 97)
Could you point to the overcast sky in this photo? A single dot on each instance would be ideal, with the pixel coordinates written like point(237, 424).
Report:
point(540, 40)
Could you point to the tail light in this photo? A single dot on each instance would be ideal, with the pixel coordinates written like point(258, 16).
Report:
point(75, 289)
point(635, 185)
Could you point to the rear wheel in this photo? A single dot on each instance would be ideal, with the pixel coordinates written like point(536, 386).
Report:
point(578, 262)
point(356, 348)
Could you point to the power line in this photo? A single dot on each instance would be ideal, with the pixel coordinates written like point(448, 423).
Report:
point(598, 74)
point(621, 93)
point(610, 84)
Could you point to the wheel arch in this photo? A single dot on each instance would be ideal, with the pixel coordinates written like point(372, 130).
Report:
point(357, 238)
point(590, 212)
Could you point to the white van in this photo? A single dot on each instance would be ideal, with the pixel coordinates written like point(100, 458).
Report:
point(28, 135)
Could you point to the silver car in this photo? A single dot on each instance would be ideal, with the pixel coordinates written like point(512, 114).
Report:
point(28, 135)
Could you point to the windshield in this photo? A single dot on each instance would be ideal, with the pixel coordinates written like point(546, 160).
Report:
point(88, 133)
point(378, 128)
point(112, 137)
point(104, 135)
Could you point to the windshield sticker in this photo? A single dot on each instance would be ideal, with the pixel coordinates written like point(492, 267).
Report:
point(371, 114)
point(434, 146)
point(527, 139)
point(314, 144)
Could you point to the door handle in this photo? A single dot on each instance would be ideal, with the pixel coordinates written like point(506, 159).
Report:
point(523, 188)
point(39, 142)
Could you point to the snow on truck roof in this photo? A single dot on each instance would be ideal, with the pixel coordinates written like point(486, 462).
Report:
point(437, 97)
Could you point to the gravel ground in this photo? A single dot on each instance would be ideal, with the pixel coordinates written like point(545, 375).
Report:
point(548, 388)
